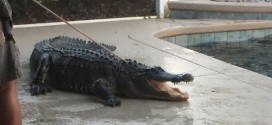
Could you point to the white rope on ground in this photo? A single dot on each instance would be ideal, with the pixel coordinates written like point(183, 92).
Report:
point(256, 85)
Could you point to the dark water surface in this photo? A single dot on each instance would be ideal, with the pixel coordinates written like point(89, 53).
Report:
point(254, 55)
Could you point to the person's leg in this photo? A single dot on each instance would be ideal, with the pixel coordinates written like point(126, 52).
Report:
point(10, 109)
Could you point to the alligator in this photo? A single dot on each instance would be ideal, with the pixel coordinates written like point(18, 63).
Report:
point(75, 65)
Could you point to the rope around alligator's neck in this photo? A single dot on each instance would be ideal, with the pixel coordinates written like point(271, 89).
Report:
point(82, 33)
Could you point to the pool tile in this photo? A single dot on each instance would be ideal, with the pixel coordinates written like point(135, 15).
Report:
point(182, 40)
point(258, 33)
point(207, 37)
point(245, 35)
point(220, 37)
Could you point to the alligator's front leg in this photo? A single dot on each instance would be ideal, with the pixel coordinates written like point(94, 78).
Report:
point(38, 85)
point(99, 88)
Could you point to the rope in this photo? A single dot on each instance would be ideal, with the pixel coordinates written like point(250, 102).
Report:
point(138, 42)
point(82, 33)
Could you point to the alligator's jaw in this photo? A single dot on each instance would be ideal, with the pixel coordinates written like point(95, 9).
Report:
point(174, 93)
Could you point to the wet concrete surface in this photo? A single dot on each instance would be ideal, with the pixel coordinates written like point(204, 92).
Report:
point(221, 93)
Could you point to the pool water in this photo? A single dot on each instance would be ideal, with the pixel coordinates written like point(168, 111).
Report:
point(242, 1)
point(255, 55)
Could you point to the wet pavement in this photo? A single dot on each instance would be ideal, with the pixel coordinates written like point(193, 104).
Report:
point(220, 94)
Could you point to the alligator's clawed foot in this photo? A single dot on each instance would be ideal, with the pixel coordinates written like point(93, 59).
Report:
point(38, 88)
point(112, 101)
point(188, 78)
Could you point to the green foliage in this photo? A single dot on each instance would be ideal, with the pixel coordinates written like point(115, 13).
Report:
point(47, 1)
point(18, 6)
point(27, 11)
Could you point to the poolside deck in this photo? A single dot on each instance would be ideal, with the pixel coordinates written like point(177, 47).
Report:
point(220, 94)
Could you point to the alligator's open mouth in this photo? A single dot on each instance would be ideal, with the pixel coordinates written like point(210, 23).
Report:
point(174, 93)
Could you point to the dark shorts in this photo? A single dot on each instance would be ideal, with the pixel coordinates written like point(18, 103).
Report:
point(9, 59)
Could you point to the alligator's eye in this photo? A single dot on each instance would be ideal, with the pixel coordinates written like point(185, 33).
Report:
point(153, 70)
point(159, 68)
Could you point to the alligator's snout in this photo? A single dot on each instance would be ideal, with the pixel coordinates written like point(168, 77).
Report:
point(182, 78)
point(157, 85)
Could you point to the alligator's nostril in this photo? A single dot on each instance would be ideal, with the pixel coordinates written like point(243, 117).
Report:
point(189, 77)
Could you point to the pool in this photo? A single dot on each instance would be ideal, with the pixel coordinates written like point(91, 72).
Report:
point(254, 55)
point(242, 1)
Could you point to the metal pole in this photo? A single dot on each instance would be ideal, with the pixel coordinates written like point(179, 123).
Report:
point(160, 8)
